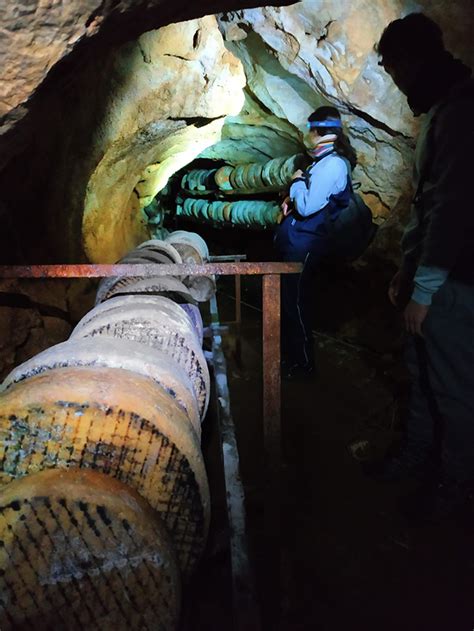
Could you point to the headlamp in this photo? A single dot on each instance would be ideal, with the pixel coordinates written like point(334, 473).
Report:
point(329, 122)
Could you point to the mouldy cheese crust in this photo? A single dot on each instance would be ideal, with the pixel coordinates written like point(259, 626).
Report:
point(116, 422)
point(80, 549)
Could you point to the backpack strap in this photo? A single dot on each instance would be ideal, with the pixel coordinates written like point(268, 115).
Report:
point(349, 172)
point(328, 222)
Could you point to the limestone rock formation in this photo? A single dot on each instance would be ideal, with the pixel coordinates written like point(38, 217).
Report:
point(39, 34)
point(61, 89)
point(177, 73)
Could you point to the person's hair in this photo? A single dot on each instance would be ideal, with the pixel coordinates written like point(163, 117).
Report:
point(342, 144)
point(413, 37)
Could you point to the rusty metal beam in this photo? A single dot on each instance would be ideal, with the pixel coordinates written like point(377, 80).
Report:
point(145, 270)
point(271, 371)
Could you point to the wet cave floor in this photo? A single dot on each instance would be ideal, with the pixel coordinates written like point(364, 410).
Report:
point(350, 561)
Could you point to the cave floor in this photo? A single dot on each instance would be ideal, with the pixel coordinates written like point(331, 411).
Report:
point(349, 559)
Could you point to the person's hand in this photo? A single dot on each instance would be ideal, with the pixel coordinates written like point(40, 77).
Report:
point(296, 174)
point(394, 288)
point(286, 206)
point(414, 316)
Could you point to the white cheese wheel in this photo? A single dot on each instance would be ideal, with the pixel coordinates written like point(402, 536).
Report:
point(189, 238)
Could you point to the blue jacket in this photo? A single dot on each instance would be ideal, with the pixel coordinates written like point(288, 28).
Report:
point(323, 189)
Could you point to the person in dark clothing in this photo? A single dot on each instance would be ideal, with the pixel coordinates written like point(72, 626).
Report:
point(321, 190)
point(435, 284)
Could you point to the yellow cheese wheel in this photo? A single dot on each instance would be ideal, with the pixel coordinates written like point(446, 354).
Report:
point(117, 422)
point(80, 550)
point(115, 353)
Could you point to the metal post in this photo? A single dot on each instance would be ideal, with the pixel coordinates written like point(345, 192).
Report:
point(238, 296)
point(246, 616)
point(272, 443)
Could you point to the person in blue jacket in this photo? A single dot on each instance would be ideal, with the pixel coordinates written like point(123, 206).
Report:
point(317, 195)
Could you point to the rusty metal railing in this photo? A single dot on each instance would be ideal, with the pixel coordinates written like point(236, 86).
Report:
point(102, 270)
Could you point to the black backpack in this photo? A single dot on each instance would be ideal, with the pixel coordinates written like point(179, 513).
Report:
point(353, 230)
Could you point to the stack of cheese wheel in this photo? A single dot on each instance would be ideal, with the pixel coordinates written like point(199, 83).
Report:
point(189, 289)
point(117, 422)
point(119, 404)
point(80, 550)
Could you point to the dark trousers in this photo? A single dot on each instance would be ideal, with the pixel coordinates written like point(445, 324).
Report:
point(441, 366)
point(297, 303)
point(303, 241)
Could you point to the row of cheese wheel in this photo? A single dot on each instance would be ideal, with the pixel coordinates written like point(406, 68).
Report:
point(273, 175)
point(199, 180)
point(243, 213)
point(105, 502)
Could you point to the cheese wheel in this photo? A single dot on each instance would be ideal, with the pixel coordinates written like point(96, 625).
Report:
point(153, 250)
point(157, 322)
point(159, 246)
point(116, 422)
point(80, 550)
point(189, 253)
point(144, 255)
point(190, 238)
point(115, 353)
point(201, 288)
point(170, 287)
point(193, 248)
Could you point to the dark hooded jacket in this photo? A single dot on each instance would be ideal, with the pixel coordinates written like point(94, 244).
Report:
point(441, 230)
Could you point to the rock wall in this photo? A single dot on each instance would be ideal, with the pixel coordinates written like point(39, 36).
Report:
point(62, 93)
point(322, 52)
point(169, 76)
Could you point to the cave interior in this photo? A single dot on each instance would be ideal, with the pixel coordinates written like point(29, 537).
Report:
point(125, 121)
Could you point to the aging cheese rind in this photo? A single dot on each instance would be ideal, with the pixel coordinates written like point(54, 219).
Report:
point(116, 422)
point(80, 550)
point(106, 352)
point(158, 323)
